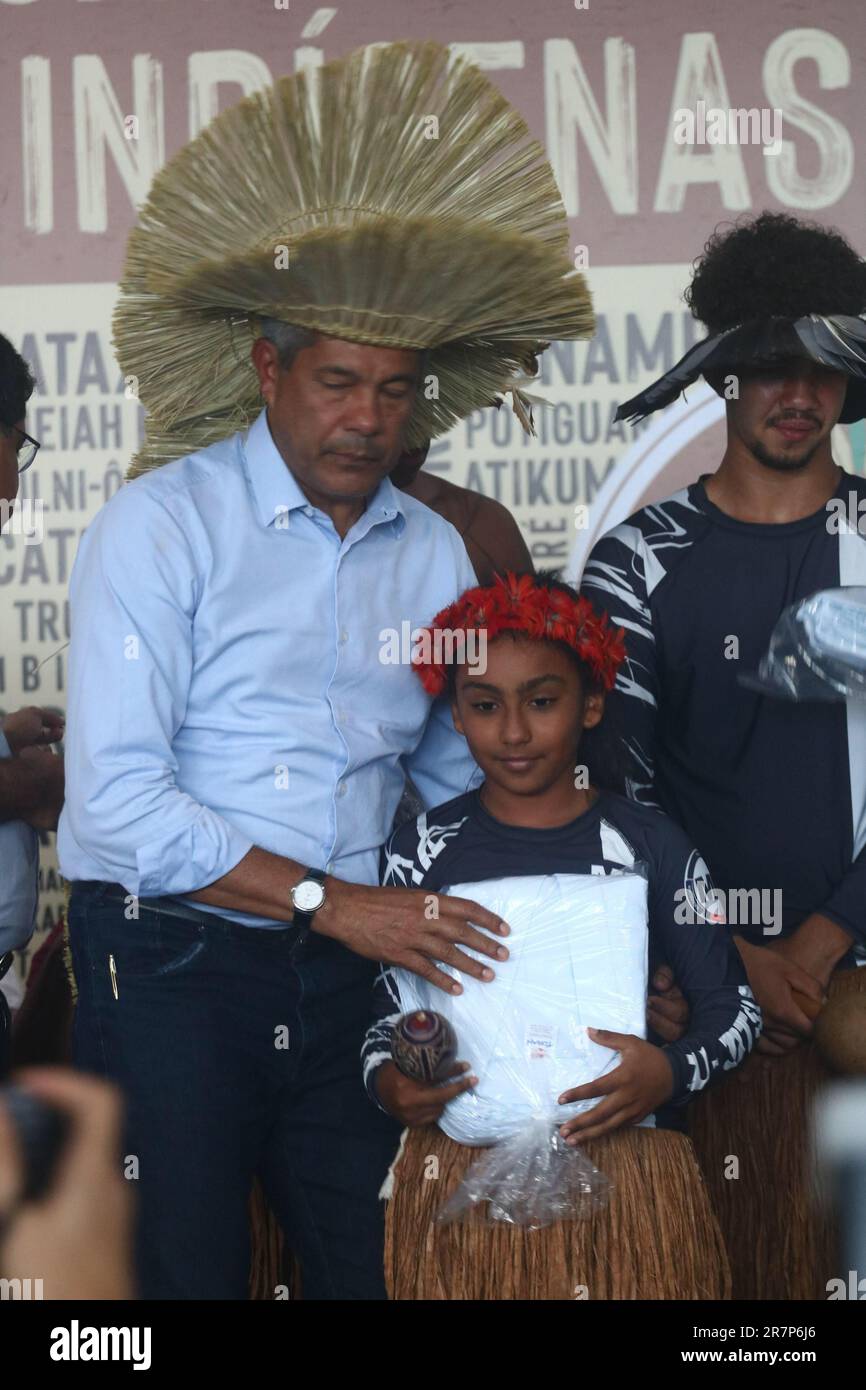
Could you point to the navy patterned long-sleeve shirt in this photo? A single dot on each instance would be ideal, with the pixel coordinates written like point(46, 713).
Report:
point(460, 842)
point(773, 791)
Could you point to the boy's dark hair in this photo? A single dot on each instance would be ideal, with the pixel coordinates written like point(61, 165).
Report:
point(16, 384)
point(601, 750)
point(774, 265)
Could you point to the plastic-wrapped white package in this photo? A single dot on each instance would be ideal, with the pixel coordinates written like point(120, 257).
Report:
point(578, 959)
point(817, 649)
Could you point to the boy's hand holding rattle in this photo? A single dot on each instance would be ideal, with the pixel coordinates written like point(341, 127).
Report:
point(416, 1103)
point(642, 1082)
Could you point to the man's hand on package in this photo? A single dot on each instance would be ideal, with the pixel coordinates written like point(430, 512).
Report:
point(413, 929)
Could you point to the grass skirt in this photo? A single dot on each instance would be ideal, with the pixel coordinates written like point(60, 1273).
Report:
point(656, 1238)
point(780, 1240)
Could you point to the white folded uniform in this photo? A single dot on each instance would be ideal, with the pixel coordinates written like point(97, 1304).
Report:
point(578, 959)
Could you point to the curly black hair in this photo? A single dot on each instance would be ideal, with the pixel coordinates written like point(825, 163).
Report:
point(602, 749)
point(16, 384)
point(775, 265)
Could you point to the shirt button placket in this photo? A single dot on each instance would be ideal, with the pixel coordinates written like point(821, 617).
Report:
point(342, 637)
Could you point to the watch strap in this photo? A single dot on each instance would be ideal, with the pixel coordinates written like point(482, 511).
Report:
point(301, 919)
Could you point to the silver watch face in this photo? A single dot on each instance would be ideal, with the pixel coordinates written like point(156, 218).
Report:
point(308, 896)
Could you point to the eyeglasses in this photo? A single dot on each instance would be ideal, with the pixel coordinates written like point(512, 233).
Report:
point(27, 449)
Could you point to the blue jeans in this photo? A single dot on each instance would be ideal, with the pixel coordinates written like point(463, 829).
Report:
point(235, 1059)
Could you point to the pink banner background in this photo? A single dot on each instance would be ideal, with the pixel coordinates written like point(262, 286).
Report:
point(627, 53)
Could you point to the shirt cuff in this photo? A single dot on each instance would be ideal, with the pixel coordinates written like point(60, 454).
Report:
point(371, 1068)
point(207, 850)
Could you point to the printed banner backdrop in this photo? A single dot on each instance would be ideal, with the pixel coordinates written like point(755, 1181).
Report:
point(96, 94)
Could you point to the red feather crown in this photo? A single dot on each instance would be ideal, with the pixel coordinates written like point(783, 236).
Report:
point(517, 604)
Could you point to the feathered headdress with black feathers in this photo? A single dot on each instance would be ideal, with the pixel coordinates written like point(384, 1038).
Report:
point(767, 289)
point(837, 341)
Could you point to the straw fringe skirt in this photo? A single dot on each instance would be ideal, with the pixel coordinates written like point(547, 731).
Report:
point(267, 1264)
point(780, 1241)
point(656, 1238)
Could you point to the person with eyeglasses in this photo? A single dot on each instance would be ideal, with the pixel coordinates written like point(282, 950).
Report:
point(31, 775)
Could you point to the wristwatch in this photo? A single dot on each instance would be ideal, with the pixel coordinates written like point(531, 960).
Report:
point(307, 897)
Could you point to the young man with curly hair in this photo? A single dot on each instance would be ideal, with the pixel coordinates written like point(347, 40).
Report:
point(773, 793)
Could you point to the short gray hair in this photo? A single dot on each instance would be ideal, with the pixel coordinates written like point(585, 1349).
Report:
point(289, 340)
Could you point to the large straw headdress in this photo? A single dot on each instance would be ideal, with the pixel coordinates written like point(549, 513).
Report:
point(393, 197)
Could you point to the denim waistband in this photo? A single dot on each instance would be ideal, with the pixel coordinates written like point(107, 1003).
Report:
point(175, 907)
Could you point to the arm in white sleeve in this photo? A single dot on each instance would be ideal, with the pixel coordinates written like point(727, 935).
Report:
point(133, 593)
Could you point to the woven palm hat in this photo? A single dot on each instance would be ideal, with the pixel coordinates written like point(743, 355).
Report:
point(393, 197)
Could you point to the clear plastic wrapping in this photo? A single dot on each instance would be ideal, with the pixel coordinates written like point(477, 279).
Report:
point(578, 959)
point(531, 1179)
point(818, 649)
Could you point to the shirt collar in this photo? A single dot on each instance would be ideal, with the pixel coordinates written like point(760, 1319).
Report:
point(277, 493)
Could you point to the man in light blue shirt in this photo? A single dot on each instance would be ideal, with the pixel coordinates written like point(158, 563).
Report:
point(238, 736)
point(232, 683)
point(239, 724)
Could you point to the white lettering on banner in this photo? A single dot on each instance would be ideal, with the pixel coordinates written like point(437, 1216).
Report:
point(209, 70)
point(577, 116)
point(317, 23)
point(834, 144)
point(571, 107)
point(99, 123)
point(700, 77)
point(492, 57)
point(36, 145)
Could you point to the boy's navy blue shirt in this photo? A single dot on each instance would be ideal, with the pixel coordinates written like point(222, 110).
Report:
point(773, 791)
point(460, 842)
